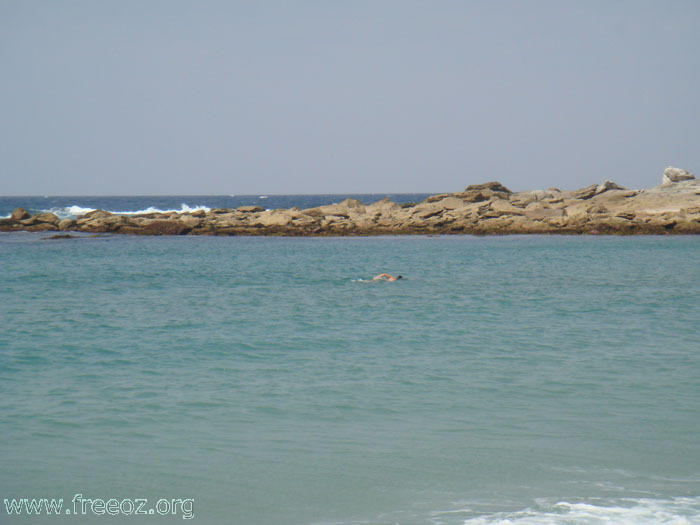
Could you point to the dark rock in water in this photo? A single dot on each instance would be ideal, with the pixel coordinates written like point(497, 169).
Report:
point(20, 214)
point(61, 236)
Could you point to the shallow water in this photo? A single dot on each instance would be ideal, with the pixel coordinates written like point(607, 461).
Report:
point(529, 379)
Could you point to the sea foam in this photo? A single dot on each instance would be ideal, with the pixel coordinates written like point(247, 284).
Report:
point(184, 208)
point(76, 211)
point(676, 511)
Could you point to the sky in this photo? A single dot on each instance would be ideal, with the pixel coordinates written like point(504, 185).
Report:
point(169, 97)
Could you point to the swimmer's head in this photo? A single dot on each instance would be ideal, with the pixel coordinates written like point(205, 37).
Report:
point(399, 277)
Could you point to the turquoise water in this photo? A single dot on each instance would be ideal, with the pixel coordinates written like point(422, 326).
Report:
point(530, 379)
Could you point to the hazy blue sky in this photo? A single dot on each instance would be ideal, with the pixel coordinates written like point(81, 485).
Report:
point(232, 97)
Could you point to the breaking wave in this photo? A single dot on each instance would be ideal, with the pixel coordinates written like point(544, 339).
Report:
point(676, 511)
point(74, 211)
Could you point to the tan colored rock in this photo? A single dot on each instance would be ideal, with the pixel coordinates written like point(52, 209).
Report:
point(452, 203)
point(585, 193)
point(481, 209)
point(491, 186)
point(96, 214)
point(20, 214)
point(503, 207)
point(576, 215)
point(164, 227)
point(672, 175)
point(436, 198)
point(226, 223)
point(305, 221)
point(41, 227)
point(352, 203)
point(484, 192)
point(528, 197)
point(274, 218)
point(66, 224)
point(598, 209)
point(191, 222)
point(474, 196)
point(50, 218)
point(384, 207)
point(425, 210)
point(606, 186)
point(102, 222)
point(542, 213)
point(347, 208)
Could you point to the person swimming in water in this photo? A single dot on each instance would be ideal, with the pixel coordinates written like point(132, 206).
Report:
point(387, 277)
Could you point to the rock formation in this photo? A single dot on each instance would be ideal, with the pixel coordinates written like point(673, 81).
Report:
point(491, 208)
point(672, 174)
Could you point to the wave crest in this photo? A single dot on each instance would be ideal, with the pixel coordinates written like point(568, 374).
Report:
point(71, 212)
point(676, 511)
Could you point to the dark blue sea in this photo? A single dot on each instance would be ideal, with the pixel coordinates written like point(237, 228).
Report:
point(261, 381)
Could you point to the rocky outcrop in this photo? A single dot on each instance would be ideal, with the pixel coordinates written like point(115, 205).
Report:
point(19, 214)
point(489, 208)
point(608, 185)
point(672, 174)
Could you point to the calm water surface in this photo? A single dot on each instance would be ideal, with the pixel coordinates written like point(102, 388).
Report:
point(530, 379)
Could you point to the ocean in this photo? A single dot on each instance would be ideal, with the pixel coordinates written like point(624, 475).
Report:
point(256, 380)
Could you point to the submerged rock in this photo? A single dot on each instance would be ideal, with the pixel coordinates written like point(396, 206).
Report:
point(61, 236)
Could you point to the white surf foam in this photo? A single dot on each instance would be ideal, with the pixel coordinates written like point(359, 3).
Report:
point(76, 211)
point(184, 208)
point(67, 212)
point(676, 511)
